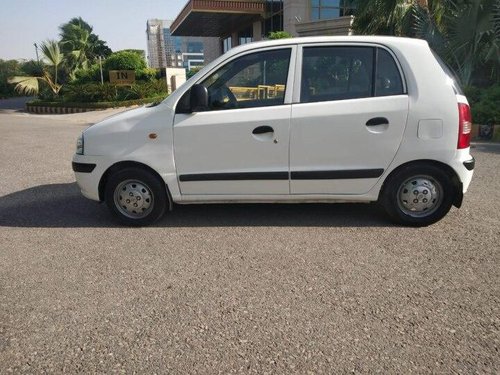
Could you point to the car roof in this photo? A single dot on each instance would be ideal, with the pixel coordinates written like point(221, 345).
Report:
point(384, 40)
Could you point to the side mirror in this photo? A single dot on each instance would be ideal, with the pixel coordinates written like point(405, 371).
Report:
point(199, 98)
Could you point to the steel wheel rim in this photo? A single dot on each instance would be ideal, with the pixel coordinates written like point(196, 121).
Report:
point(420, 196)
point(134, 199)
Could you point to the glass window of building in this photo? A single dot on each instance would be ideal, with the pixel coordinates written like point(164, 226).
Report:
point(328, 9)
point(245, 36)
point(274, 17)
point(227, 44)
point(195, 47)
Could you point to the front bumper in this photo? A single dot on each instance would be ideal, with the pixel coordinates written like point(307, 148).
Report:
point(83, 167)
point(88, 172)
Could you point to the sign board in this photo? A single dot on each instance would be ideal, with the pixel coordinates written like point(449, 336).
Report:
point(122, 77)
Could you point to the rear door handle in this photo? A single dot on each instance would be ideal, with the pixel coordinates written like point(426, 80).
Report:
point(377, 121)
point(263, 130)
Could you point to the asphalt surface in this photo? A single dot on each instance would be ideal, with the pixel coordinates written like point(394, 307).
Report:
point(236, 288)
point(16, 104)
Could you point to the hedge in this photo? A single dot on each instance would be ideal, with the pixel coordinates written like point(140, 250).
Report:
point(97, 105)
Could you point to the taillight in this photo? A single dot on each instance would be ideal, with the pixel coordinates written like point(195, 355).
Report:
point(464, 125)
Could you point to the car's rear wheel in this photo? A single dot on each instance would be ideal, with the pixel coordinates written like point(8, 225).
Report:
point(417, 195)
point(135, 196)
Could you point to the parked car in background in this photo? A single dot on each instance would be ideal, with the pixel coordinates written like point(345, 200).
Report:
point(322, 119)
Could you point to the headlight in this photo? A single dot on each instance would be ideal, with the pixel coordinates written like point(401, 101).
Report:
point(79, 145)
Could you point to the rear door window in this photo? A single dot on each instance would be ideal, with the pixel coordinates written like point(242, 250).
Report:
point(336, 73)
point(339, 73)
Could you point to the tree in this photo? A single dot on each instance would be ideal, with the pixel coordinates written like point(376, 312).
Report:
point(383, 17)
point(468, 37)
point(53, 58)
point(466, 33)
point(80, 45)
point(8, 68)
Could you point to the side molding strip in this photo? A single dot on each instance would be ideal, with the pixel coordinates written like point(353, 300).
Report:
point(234, 176)
point(295, 175)
point(337, 175)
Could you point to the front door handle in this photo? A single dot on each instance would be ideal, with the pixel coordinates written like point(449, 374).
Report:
point(377, 121)
point(263, 130)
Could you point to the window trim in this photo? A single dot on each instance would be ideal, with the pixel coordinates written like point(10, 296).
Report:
point(300, 54)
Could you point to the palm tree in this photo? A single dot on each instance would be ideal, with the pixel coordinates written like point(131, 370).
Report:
point(75, 43)
point(468, 37)
point(384, 17)
point(52, 57)
point(465, 32)
point(80, 45)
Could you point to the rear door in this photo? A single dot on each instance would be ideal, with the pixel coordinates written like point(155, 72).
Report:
point(348, 118)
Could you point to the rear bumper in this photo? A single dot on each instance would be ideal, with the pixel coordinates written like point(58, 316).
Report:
point(463, 163)
point(465, 174)
point(470, 164)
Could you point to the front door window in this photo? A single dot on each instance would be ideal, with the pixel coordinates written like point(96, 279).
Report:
point(254, 80)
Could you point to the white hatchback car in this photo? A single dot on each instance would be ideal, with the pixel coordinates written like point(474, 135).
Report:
point(323, 119)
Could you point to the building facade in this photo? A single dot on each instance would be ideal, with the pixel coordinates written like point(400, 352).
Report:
point(236, 22)
point(318, 17)
point(167, 50)
point(156, 45)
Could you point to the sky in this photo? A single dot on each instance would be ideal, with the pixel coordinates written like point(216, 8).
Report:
point(121, 23)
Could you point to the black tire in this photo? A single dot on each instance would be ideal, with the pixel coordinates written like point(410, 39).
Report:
point(421, 210)
point(143, 189)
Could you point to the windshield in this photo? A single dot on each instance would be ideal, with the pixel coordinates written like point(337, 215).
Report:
point(450, 73)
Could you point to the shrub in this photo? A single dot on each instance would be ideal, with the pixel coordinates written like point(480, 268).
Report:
point(95, 92)
point(90, 92)
point(192, 72)
point(484, 104)
point(125, 60)
point(99, 105)
point(279, 35)
point(91, 74)
point(144, 90)
point(147, 74)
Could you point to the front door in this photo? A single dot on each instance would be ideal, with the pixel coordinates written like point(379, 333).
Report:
point(239, 145)
point(349, 119)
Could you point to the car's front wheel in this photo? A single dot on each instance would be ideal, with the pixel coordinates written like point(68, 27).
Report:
point(418, 195)
point(135, 196)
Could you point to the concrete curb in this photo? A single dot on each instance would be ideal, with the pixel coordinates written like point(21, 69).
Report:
point(58, 110)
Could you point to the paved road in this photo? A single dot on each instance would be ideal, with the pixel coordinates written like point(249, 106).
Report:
point(13, 104)
point(250, 288)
